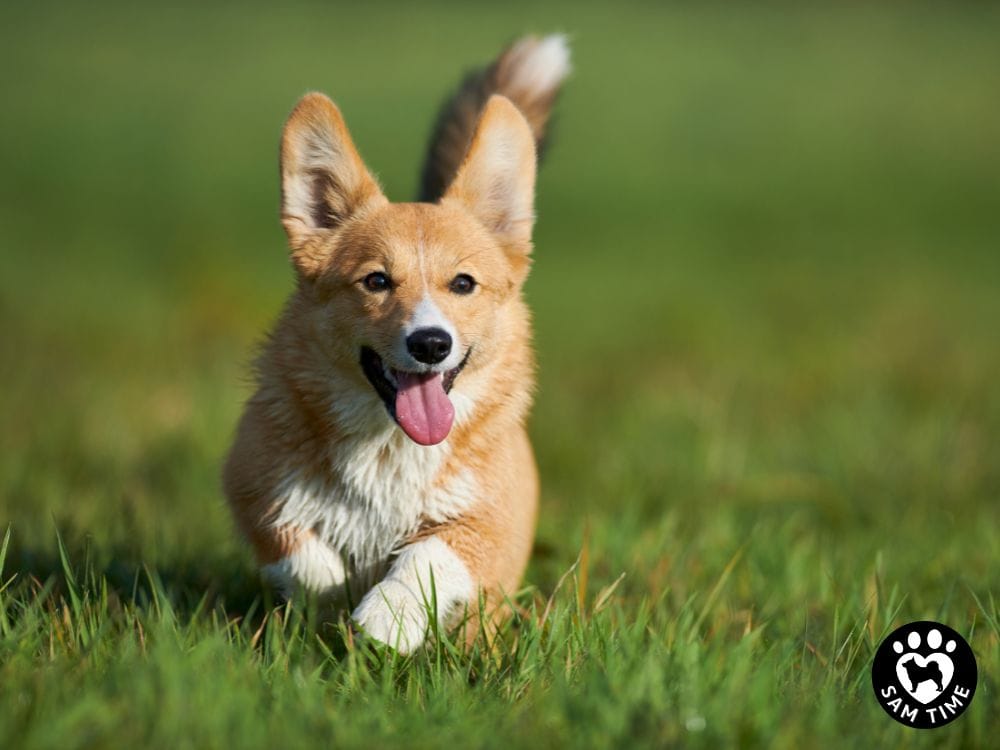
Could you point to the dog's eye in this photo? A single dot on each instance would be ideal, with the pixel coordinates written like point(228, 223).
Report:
point(377, 282)
point(462, 284)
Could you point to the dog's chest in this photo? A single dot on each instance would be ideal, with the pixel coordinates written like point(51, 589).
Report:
point(375, 493)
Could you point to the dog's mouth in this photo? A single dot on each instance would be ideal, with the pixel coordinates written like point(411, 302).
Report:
point(417, 401)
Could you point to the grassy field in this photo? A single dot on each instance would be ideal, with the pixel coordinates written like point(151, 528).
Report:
point(767, 297)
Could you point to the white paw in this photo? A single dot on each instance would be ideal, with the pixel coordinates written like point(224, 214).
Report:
point(395, 612)
point(392, 613)
point(313, 565)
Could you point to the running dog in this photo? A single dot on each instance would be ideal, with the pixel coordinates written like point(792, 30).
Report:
point(383, 458)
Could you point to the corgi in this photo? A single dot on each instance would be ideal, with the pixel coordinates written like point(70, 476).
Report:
point(383, 459)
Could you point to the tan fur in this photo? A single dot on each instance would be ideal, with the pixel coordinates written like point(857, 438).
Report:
point(314, 404)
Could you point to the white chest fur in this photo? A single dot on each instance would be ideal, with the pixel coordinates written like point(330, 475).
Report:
point(375, 493)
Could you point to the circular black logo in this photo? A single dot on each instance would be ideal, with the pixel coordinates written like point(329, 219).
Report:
point(924, 675)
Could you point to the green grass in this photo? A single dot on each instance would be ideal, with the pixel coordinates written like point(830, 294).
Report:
point(767, 287)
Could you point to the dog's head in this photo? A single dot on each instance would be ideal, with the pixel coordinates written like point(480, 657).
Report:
point(407, 296)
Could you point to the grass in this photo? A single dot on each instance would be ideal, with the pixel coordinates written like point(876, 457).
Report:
point(766, 294)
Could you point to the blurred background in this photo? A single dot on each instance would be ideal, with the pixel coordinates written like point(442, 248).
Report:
point(766, 290)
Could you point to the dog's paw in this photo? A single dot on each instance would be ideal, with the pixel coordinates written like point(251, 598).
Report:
point(392, 614)
point(313, 565)
point(426, 575)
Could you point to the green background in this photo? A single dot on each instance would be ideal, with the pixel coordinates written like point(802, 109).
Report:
point(767, 297)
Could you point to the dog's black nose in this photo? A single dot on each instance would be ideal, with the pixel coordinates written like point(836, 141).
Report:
point(429, 345)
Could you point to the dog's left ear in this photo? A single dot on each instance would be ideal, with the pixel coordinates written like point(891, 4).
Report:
point(496, 181)
point(323, 180)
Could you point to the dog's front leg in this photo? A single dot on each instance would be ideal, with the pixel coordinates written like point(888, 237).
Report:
point(427, 579)
point(312, 565)
point(291, 558)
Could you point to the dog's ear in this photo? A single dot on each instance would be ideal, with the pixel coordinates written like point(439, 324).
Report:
point(496, 181)
point(323, 180)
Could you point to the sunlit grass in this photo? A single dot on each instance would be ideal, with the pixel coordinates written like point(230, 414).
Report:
point(765, 294)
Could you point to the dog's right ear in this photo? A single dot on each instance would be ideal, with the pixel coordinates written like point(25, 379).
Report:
point(323, 180)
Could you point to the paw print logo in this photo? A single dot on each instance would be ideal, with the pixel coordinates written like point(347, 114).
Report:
point(924, 674)
point(924, 677)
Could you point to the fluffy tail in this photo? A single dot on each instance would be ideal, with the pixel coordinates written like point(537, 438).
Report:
point(529, 73)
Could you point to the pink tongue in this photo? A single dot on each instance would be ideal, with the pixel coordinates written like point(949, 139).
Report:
point(423, 409)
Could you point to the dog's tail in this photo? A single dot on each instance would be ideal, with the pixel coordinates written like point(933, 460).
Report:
point(529, 73)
